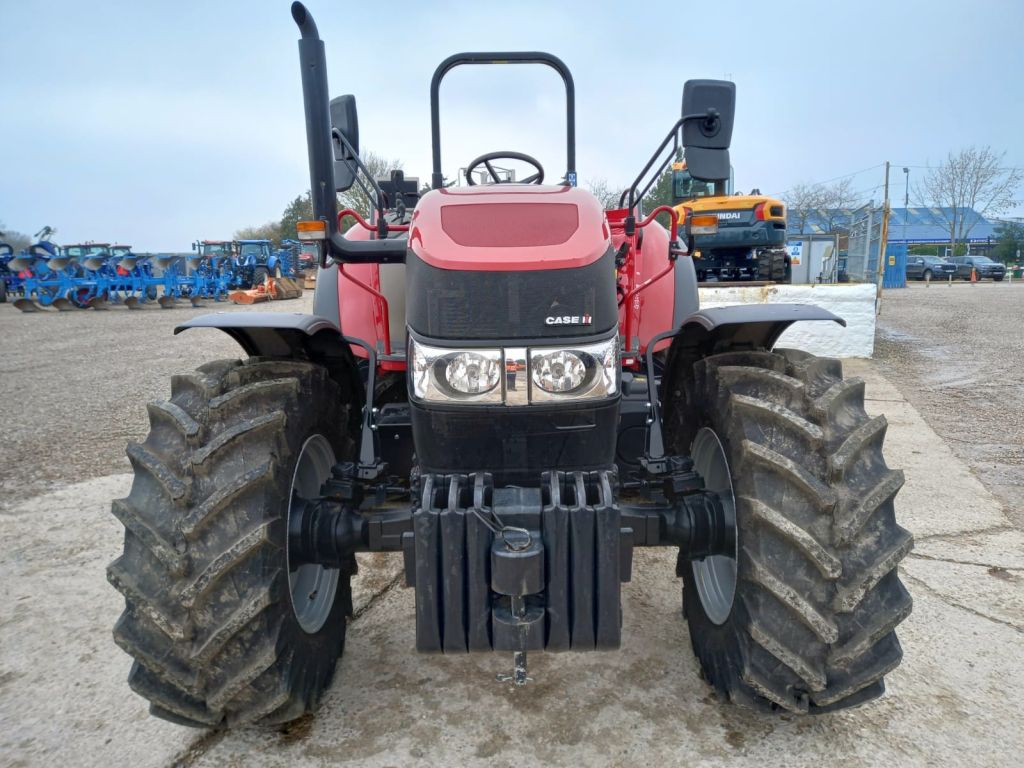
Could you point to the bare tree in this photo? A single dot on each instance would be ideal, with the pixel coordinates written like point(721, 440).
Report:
point(357, 198)
point(605, 193)
point(840, 198)
point(829, 202)
point(971, 179)
point(802, 200)
point(841, 194)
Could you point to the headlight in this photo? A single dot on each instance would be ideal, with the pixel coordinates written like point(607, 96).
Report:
point(558, 371)
point(454, 375)
point(472, 373)
point(586, 372)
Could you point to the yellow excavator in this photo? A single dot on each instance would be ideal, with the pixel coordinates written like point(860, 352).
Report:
point(748, 240)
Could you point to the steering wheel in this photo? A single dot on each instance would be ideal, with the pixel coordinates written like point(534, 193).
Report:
point(485, 160)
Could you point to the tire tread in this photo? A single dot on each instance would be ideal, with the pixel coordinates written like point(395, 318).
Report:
point(819, 596)
point(207, 618)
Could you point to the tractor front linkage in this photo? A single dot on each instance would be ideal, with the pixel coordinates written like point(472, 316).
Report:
point(512, 568)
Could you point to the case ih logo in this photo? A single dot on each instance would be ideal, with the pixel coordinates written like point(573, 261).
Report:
point(568, 320)
point(728, 216)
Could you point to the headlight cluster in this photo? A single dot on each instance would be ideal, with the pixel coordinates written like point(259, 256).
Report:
point(514, 376)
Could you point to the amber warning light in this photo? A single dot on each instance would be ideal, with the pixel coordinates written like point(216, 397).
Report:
point(311, 230)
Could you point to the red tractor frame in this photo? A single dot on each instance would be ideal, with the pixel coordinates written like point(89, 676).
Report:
point(511, 389)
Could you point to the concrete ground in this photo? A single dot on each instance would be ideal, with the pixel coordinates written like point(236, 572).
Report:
point(956, 699)
point(957, 353)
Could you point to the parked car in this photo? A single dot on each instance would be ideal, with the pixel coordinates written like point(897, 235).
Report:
point(983, 264)
point(929, 268)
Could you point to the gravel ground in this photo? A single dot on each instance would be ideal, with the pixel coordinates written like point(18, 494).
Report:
point(85, 378)
point(956, 352)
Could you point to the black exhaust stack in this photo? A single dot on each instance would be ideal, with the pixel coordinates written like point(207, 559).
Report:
point(316, 100)
point(320, 144)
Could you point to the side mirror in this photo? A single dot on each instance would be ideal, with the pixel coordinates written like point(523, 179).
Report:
point(711, 107)
point(344, 121)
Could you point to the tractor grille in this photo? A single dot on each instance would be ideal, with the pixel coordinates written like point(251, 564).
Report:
point(463, 304)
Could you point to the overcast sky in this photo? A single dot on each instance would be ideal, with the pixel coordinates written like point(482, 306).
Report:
point(156, 123)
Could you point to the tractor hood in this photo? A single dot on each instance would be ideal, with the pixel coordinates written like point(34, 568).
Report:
point(509, 227)
point(510, 261)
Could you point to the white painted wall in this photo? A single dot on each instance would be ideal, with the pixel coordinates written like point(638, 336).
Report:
point(855, 303)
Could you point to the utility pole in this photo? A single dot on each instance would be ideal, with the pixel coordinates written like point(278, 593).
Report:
point(882, 243)
point(906, 206)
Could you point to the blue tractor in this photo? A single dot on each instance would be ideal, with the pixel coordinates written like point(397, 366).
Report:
point(257, 260)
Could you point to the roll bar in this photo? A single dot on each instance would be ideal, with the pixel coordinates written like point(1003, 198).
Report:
point(513, 57)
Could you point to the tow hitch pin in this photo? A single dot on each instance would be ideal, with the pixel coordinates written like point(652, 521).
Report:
point(519, 676)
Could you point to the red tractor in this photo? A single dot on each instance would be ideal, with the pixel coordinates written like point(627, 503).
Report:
point(511, 389)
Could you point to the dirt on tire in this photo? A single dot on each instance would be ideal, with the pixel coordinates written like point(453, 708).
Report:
point(208, 613)
point(818, 596)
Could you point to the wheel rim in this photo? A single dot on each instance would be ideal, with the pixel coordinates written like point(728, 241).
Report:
point(312, 587)
point(715, 576)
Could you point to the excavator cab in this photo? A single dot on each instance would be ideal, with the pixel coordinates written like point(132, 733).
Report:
point(685, 187)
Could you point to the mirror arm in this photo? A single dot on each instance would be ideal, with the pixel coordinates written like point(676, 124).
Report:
point(376, 195)
point(711, 119)
point(672, 134)
point(654, 176)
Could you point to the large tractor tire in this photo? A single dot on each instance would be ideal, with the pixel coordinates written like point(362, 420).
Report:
point(802, 618)
point(222, 630)
point(774, 266)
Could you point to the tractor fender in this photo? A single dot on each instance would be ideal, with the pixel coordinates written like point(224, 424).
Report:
point(725, 329)
point(291, 335)
point(687, 298)
point(744, 327)
point(326, 303)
